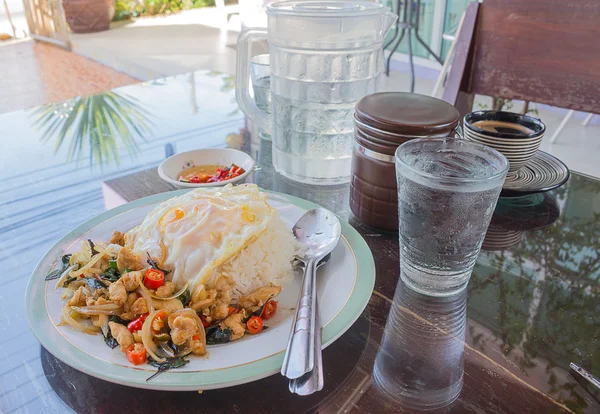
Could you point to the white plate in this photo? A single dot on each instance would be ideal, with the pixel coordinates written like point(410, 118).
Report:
point(344, 287)
point(170, 168)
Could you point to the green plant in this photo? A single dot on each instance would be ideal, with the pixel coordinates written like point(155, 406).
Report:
point(501, 104)
point(94, 123)
point(126, 9)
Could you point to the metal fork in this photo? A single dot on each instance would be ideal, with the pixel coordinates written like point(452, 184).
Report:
point(312, 381)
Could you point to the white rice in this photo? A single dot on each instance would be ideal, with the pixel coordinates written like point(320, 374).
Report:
point(267, 260)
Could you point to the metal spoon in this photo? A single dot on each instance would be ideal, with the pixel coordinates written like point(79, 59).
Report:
point(312, 381)
point(319, 230)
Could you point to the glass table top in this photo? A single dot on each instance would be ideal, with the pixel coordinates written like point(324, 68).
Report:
point(531, 307)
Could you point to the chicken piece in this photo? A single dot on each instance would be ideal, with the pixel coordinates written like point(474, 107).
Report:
point(224, 284)
point(131, 280)
point(259, 296)
point(234, 322)
point(204, 301)
point(128, 316)
point(121, 334)
point(198, 346)
point(139, 307)
point(182, 329)
point(131, 298)
point(117, 293)
point(117, 238)
point(220, 309)
point(170, 305)
point(78, 298)
point(102, 301)
point(126, 259)
point(165, 290)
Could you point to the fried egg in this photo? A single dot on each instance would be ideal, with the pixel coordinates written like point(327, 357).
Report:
point(195, 233)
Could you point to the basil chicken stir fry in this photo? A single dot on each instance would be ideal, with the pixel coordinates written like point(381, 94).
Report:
point(109, 290)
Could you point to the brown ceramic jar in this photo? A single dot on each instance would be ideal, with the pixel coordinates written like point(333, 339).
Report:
point(382, 122)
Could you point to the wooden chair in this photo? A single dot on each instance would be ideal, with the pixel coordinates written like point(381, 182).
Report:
point(544, 51)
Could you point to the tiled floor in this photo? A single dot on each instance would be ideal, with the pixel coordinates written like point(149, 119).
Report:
point(33, 74)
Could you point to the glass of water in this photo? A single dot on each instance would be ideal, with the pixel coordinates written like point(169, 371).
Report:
point(260, 74)
point(447, 192)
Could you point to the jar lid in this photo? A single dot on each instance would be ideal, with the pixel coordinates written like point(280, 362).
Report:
point(407, 113)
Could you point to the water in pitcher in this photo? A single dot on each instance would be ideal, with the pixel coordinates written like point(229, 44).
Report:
point(262, 93)
point(313, 99)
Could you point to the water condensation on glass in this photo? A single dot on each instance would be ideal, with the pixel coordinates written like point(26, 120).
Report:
point(421, 358)
point(313, 99)
point(442, 223)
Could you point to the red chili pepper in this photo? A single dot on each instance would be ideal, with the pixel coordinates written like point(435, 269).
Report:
point(154, 278)
point(136, 354)
point(269, 309)
point(158, 323)
point(254, 324)
point(205, 323)
point(136, 324)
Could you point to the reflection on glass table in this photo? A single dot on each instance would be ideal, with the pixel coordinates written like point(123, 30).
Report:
point(420, 362)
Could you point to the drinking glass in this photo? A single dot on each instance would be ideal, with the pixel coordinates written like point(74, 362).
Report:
point(447, 192)
point(260, 74)
point(421, 358)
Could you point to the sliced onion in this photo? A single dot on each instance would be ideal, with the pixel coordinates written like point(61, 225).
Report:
point(104, 306)
point(64, 276)
point(85, 310)
point(147, 338)
point(79, 326)
point(91, 263)
point(104, 326)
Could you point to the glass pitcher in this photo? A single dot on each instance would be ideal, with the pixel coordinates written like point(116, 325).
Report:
point(324, 56)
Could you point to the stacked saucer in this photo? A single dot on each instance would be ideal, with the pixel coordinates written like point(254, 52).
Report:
point(518, 138)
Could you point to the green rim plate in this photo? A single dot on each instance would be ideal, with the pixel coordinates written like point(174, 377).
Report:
point(46, 332)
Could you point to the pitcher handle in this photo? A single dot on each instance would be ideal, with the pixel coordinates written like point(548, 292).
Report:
point(242, 86)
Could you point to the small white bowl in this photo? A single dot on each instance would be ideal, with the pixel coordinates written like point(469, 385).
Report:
point(170, 168)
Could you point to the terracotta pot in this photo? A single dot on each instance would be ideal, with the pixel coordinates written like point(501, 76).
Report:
point(88, 16)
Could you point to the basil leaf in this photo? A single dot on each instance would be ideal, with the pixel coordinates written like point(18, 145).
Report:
point(110, 340)
point(111, 274)
point(117, 319)
point(94, 283)
point(154, 264)
point(92, 247)
point(170, 363)
point(185, 297)
point(55, 274)
point(68, 281)
point(113, 265)
point(215, 335)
